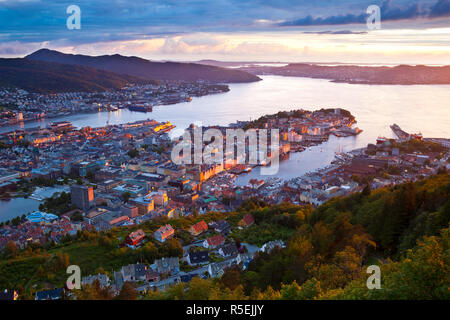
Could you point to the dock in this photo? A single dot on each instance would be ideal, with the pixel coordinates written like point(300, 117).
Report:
point(402, 135)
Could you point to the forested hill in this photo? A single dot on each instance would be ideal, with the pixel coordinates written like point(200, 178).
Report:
point(401, 75)
point(142, 68)
point(403, 229)
point(50, 77)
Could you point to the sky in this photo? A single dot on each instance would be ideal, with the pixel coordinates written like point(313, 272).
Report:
point(412, 31)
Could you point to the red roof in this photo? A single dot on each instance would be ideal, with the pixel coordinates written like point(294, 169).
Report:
point(166, 230)
point(216, 240)
point(248, 219)
point(119, 219)
point(201, 226)
point(136, 237)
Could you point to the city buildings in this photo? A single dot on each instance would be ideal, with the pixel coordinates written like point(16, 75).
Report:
point(82, 196)
point(164, 233)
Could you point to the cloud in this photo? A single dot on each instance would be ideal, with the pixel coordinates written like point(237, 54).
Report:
point(336, 32)
point(332, 20)
point(388, 13)
point(440, 9)
point(193, 25)
point(16, 48)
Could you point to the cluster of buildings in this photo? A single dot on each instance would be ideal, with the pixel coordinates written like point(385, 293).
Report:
point(41, 228)
point(206, 258)
point(123, 175)
point(24, 106)
point(305, 128)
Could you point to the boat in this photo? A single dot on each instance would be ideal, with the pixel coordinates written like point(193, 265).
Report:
point(140, 108)
point(381, 140)
point(417, 136)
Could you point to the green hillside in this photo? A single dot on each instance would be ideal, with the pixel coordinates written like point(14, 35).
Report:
point(403, 229)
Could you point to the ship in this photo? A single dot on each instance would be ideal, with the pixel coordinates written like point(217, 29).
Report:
point(381, 140)
point(60, 125)
point(417, 136)
point(140, 108)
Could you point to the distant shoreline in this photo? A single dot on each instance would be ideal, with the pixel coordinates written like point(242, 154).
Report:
point(351, 74)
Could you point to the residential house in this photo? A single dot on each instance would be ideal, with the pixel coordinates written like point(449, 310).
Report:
point(199, 257)
point(163, 233)
point(220, 226)
point(246, 221)
point(54, 294)
point(198, 228)
point(134, 272)
point(214, 241)
point(228, 250)
point(269, 246)
point(103, 280)
point(217, 269)
point(167, 265)
point(135, 238)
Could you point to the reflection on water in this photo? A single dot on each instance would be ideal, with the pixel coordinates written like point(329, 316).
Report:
point(309, 160)
point(414, 108)
point(424, 108)
point(16, 207)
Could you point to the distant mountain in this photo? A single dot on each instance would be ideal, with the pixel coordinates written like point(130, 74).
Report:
point(48, 77)
point(402, 74)
point(146, 69)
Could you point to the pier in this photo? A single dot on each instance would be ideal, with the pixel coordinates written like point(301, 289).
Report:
point(402, 135)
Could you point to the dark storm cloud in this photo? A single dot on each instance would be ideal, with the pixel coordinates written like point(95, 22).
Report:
point(441, 9)
point(389, 12)
point(115, 20)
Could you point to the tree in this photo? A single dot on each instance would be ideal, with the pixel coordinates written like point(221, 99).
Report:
point(93, 292)
point(11, 249)
point(126, 196)
point(77, 216)
point(366, 191)
point(128, 292)
point(231, 278)
point(199, 289)
point(133, 153)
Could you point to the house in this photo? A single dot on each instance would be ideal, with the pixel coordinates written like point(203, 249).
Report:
point(199, 257)
point(220, 226)
point(246, 221)
point(134, 272)
point(198, 228)
point(269, 246)
point(152, 276)
point(103, 279)
point(164, 233)
point(228, 250)
point(54, 294)
point(167, 265)
point(214, 242)
point(218, 269)
point(135, 239)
